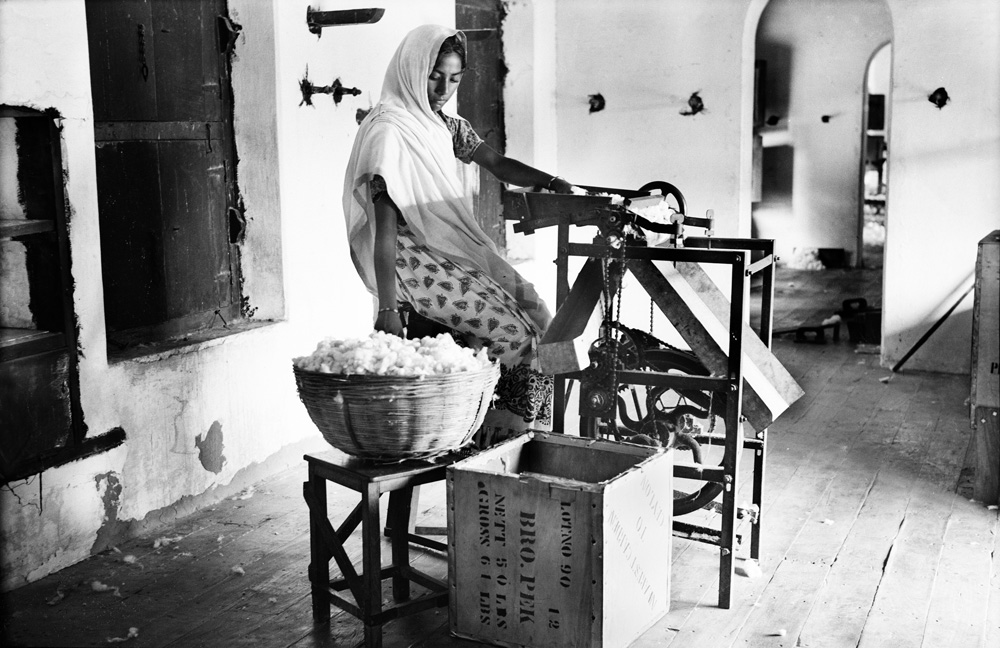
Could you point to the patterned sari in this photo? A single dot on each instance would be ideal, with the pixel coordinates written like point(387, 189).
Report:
point(447, 268)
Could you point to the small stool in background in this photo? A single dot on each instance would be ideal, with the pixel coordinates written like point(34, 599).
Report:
point(371, 480)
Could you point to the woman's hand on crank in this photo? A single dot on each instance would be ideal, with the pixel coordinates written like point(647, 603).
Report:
point(560, 185)
point(389, 321)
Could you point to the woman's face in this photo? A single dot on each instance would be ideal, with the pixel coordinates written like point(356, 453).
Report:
point(444, 79)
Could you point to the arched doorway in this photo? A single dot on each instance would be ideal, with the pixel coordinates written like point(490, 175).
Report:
point(813, 60)
point(875, 159)
point(815, 57)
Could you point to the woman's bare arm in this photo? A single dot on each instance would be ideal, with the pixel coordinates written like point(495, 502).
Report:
point(386, 215)
point(516, 172)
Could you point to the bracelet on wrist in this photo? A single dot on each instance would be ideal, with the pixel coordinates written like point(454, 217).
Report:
point(388, 310)
point(551, 180)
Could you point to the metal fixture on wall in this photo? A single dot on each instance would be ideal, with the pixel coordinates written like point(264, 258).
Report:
point(317, 20)
point(939, 98)
point(596, 102)
point(695, 105)
point(336, 89)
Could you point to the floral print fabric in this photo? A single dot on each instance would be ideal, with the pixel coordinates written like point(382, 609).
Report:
point(485, 316)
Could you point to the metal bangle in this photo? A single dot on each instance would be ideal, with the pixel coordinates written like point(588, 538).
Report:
point(553, 179)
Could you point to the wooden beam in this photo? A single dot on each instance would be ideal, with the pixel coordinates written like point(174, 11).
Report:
point(707, 336)
point(785, 390)
point(561, 349)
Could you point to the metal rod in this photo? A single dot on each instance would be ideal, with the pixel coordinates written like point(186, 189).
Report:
point(896, 367)
point(656, 254)
point(760, 264)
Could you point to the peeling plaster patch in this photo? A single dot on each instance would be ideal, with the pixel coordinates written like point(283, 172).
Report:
point(113, 530)
point(210, 450)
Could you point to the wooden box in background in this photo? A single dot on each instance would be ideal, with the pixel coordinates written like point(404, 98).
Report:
point(559, 541)
point(984, 452)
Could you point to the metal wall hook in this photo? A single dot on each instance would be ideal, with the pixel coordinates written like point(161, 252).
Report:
point(317, 20)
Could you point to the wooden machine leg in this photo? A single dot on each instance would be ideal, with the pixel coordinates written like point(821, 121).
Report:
point(371, 556)
point(759, 456)
point(727, 541)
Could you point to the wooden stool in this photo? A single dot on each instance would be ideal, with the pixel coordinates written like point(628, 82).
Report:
point(370, 480)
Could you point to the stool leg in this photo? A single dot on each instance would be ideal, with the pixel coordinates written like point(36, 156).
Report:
point(319, 553)
point(371, 556)
point(400, 505)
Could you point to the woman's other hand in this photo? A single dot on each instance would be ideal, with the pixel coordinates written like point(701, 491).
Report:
point(560, 185)
point(389, 322)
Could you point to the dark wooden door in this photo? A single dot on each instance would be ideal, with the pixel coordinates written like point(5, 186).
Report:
point(165, 164)
point(480, 100)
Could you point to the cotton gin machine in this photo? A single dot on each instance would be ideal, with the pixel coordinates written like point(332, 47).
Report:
point(636, 388)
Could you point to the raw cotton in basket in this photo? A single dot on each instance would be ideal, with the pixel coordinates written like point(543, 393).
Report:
point(383, 354)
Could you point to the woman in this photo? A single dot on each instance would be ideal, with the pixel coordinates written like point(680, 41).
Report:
point(408, 200)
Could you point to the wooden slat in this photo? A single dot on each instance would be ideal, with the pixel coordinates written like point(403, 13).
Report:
point(961, 596)
point(984, 459)
point(119, 89)
point(123, 131)
point(11, 227)
point(985, 323)
point(15, 336)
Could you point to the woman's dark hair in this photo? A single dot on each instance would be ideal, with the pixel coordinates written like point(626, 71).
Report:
point(454, 45)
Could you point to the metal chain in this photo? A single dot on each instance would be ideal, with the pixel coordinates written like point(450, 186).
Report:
point(618, 316)
point(143, 67)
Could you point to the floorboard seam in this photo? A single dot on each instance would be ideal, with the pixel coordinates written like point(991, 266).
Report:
point(885, 564)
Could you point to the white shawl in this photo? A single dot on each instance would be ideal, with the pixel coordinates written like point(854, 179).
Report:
point(406, 143)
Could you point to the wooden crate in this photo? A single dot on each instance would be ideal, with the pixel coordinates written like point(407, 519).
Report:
point(559, 541)
point(985, 324)
point(985, 400)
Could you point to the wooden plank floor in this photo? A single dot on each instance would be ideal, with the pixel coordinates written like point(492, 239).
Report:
point(865, 544)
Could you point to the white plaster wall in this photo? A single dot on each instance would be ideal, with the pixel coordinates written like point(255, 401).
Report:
point(646, 58)
point(825, 46)
point(944, 165)
point(316, 143)
point(295, 263)
point(529, 97)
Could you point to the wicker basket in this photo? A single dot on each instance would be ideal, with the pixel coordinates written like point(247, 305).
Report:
point(397, 417)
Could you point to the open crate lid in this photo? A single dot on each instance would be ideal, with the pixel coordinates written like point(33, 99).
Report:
point(574, 462)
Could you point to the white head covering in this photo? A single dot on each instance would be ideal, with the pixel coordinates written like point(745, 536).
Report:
point(406, 143)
